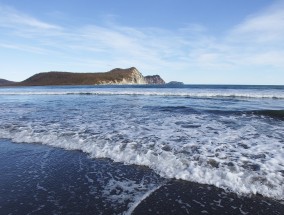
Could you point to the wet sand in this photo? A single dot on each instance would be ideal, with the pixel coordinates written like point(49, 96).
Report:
point(38, 179)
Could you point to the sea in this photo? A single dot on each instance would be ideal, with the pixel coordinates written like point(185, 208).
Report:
point(142, 149)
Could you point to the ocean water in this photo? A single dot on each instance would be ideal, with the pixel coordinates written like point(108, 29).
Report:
point(231, 137)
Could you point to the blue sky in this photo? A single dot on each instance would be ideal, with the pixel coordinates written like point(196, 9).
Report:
point(197, 42)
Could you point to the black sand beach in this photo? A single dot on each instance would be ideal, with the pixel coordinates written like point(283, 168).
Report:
point(38, 179)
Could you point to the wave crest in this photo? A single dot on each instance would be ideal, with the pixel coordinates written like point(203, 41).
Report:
point(156, 93)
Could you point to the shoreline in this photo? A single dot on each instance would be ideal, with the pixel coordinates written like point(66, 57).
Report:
point(36, 178)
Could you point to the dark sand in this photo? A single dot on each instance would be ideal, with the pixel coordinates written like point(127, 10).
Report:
point(38, 179)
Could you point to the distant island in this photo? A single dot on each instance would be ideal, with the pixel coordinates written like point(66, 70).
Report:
point(115, 76)
point(175, 83)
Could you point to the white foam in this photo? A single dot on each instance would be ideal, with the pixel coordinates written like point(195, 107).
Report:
point(194, 93)
point(246, 159)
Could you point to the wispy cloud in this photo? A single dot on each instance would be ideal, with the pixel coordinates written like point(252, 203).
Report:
point(259, 39)
point(9, 17)
point(25, 48)
point(267, 26)
point(256, 41)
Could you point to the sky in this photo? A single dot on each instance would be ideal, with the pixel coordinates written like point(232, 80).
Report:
point(193, 41)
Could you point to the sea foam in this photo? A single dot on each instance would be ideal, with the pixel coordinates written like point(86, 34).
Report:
point(237, 157)
point(193, 93)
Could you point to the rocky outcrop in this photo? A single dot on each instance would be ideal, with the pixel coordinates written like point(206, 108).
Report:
point(125, 76)
point(154, 79)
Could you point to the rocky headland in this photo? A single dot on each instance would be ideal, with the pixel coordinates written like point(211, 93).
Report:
point(115, 76)
point(154, 79)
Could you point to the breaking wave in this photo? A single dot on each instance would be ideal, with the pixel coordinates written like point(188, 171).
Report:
point(157, 93)
point(246, 159)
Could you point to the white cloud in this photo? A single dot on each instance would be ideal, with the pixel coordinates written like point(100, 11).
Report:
point(193, 28)
point(273, 58)
point(257, 42)
point(25, 48)
point(267, 26)
point(9, 17)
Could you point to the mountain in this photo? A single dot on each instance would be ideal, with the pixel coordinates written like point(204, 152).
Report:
point(115, 76)
point(4, 82)
point(154, 79)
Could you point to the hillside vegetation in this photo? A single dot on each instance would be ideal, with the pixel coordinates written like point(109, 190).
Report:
point(68, 78)
point(115, 76)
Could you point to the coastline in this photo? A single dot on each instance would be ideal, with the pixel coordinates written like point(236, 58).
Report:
point(37, 178)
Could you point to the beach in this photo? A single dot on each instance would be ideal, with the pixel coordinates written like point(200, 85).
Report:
point(37, 179)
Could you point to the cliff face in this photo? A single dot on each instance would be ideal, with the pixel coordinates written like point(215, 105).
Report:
point(154, 79)
point(125, 76)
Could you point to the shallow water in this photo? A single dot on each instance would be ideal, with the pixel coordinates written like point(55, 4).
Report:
point(231, 137)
